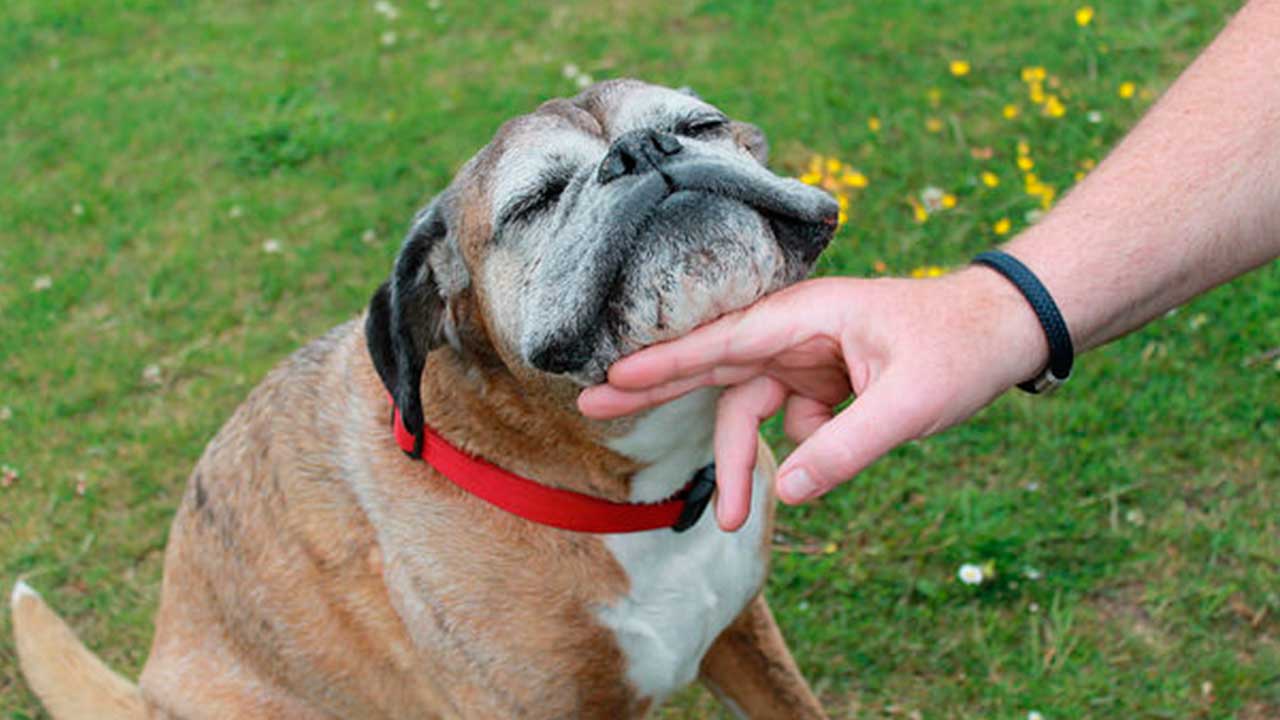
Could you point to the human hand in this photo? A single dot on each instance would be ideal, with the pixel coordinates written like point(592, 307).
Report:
point(919, 355)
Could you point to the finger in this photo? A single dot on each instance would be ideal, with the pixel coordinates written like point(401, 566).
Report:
point(804, 415)
point(603, 402)
point(738, 417)
point(882, 418)
point(745, 337)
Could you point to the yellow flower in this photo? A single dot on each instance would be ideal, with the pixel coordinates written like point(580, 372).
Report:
point(1002, 226)
point(934, 96)
point(1088, 163)
point(1084, 15)
point(842, 218)
point(948, 201)
point(933, 125)
point(1025, 163)
point(811, 178)
point(1033, 73)
point(990, 179)
point(917, 210)
point(1036, 92)
point(1079, 175)
point(1054, 108)
point(1010, 111)
point(960, 68)
point(843, 201)
point(854, 179)
point(873, 124)
point(1024, 148)
point(928, 271)
point(833, 166)
point(1126, 90)
point(1047, 194)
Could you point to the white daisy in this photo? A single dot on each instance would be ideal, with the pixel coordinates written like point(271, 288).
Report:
point(970, 574)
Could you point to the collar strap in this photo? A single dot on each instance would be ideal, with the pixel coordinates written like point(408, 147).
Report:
point(544, 505)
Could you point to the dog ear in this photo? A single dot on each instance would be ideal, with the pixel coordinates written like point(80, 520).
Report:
point(752, 139)
point(408, 315)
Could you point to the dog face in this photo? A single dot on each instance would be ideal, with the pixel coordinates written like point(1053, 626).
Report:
point(589, 229)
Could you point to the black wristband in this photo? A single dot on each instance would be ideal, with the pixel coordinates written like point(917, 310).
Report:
point(1061, 352)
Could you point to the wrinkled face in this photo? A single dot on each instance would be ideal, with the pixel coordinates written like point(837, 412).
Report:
point(630, 215)
point(589, 229)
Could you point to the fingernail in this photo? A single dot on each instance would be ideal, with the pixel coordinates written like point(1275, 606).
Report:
point(797, 485)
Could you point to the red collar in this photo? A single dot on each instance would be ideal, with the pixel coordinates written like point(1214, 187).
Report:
point(551, 506)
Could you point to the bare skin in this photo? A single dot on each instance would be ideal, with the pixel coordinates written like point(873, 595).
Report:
point(1189, 200)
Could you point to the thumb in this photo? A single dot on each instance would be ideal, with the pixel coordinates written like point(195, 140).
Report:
point(882, 418)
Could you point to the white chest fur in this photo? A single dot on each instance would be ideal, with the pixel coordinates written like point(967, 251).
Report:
point(685, 588)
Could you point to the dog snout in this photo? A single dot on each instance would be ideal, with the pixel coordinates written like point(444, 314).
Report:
point(638, 152)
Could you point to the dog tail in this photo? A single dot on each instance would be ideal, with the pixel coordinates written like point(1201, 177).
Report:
point(72, 682)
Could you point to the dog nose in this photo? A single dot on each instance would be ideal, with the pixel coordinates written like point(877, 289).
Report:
point(637, 152)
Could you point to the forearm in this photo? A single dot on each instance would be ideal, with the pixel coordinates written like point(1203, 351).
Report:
point(1190, 199)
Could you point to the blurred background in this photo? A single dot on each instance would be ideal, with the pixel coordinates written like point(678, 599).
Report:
point(191, 190)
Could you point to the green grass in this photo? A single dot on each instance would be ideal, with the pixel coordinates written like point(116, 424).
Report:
point(149, 149)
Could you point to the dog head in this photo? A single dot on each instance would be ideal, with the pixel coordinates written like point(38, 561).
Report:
point(589, 229)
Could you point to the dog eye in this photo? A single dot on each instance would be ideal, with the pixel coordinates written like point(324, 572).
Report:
point(536, 202)
point(703, 127)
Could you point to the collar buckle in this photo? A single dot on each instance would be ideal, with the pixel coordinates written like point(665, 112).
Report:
point(696, 498)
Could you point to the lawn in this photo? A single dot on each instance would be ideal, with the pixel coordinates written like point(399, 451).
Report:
point(191, 190)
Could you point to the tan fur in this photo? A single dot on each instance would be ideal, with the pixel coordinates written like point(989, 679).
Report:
point(270, 585)
point(50, 653)
point(276, 601)
point(314, 571)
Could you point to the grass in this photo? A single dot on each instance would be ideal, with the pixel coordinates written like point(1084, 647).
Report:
point(150, 150)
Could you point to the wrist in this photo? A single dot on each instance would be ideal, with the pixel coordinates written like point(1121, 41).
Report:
point(1007, 325)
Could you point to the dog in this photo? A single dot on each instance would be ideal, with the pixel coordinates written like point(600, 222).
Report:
point(327, 561)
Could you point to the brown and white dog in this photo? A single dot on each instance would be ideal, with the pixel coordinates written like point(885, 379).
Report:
point(316, 571)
